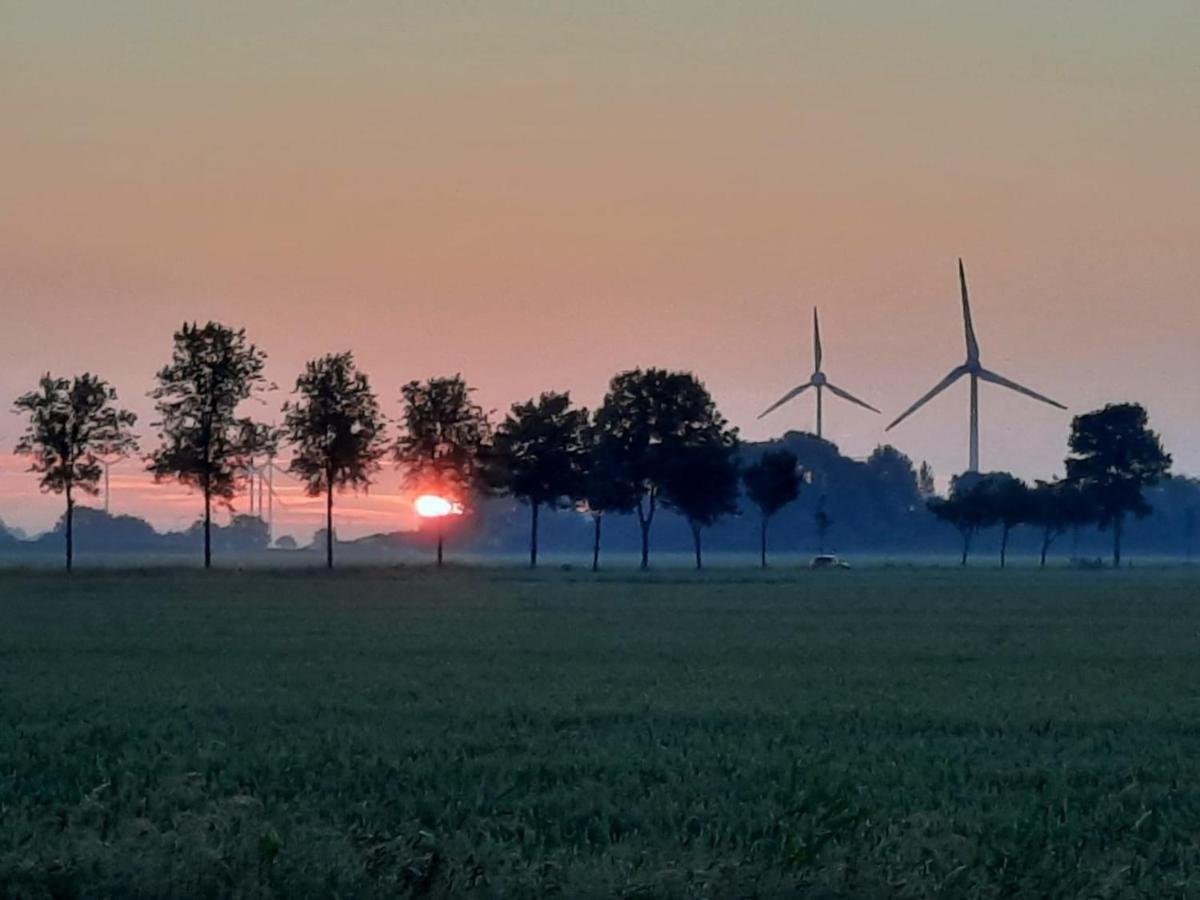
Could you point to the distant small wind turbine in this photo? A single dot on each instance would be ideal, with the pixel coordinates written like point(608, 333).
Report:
point(818, 381)
point(974, 368)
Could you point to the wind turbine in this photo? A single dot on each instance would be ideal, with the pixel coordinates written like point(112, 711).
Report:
point(975, 370)
point(818, 381)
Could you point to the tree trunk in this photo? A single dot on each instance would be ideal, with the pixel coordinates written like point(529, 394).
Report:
point(1045, 545)
point(207, 524)
point(644, 520)
point(1118, 522)
point(329, 524)
point(1004, 546)
point(440, 537)
point(596, 543)
point(696, 542)
point(533, 534)
point(70, 523)
point(966, 547)
point(762, 543)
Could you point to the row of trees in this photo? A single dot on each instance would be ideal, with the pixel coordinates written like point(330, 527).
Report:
point(656, 440)
point(1114, 457)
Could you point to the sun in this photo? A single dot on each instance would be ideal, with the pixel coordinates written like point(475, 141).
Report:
point(431, 506)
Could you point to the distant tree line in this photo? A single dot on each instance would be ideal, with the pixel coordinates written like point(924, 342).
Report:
point(1114, 457)
point(657, 441)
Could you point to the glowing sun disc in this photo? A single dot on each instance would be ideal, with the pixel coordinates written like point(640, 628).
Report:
point(431, 506)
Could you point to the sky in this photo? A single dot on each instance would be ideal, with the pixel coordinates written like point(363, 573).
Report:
point(539, 195)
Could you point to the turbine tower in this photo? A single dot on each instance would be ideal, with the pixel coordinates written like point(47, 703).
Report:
point(817, 380)
point(973, 368)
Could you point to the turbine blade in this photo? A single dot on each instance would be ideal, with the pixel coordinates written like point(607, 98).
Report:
point(794, 392)
point(846, 395)
point(972, 343)
point(816, 341)
point(954, 375)
point(987, 375)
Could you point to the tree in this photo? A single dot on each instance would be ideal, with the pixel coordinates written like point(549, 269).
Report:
point(701, 484)
point(536, 455)
point(771, 484)
point(71, 423)
point(926, 486)
point(1114, 457)
point(213, 369)
point(443, 430)
point(965, 508)
point(1008, 504)
point(603, 486)
point(1056, 507)
point(647, 419)
point(823, 522)
point(337, 431)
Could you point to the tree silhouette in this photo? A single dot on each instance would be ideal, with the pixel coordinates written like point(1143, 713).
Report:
point(537, 454)
point(966, 508)
point(213, 369)
point(1056, 507)
point(771, 484)
point(823, 522)
point(443, 430)
point(604, 486)
point(926, 486)
point(70, 425)
point(337, 431)
point(648, 418)
point(1114, 457)
point(701, 483)
point(1009, 504)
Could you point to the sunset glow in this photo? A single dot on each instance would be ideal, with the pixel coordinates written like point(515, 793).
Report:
point(431, 506)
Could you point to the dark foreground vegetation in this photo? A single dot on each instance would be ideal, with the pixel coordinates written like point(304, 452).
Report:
point(886, 733)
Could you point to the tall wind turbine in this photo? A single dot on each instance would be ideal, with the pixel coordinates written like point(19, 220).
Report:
point(817, 380)
point(975, 370)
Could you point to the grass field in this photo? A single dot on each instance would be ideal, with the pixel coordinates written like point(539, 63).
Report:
point(882, 733)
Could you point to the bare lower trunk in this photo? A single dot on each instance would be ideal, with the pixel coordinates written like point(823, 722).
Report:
point(645, 518)
point(70, 529)
point(1045, 546)
point(1004, 546)
point(441, 540)
point(762, 543)
point(1118, 523)
point(696, 544)
point(966, 547)
point(596, 543)
point(533, 536)
point(329, 526)
point(207, 526)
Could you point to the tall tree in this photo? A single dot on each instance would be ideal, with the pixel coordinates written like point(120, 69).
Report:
point(336, 429)
point(443, 430)
point(772, 482)
point(70, 425)
point(966, 508)
point(926, 485)
point(1056, 507)
point(536, 455)
point(701, 484)
point(1009, 503)
point(648, 417)
point(1114, 458)
point(213, 368)
point(604, 486)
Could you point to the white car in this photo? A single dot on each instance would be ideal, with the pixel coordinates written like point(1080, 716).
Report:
point(828, 561)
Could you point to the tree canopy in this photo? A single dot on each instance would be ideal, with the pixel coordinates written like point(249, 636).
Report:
point(71, 426)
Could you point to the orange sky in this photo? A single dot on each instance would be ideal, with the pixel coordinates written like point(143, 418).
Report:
point(540, 195)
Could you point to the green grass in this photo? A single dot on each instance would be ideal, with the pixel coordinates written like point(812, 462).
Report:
point(883, 733)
